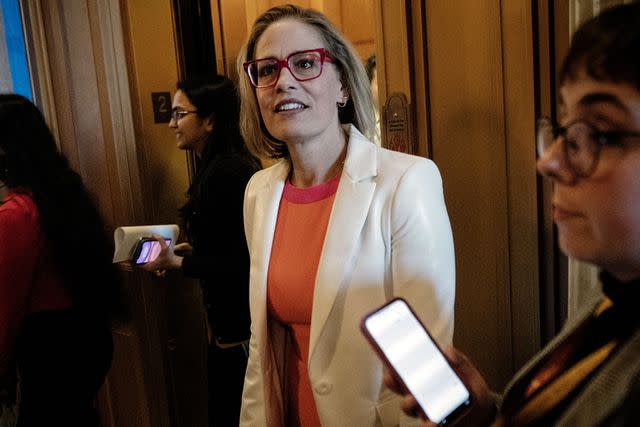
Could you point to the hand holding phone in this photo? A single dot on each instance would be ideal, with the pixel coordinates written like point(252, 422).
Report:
point(410, 352)
point(147, 250)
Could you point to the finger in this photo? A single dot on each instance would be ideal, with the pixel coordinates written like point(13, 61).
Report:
point(457, 359)
point(410, 406)
point(151, 265)
point(452, 354)
point(391, 382)
point(145, 267)
point(182, 249)
point(161, 241)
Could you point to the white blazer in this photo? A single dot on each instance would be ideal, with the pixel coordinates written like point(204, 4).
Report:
point(388, 235)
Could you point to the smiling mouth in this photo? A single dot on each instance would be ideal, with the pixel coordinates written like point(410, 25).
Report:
point(289, 106)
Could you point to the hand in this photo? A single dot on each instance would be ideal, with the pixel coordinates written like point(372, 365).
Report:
point(166, 259)
point(482, 411)
point(182, 249)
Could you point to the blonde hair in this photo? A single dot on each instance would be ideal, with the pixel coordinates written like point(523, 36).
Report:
point(359, 108)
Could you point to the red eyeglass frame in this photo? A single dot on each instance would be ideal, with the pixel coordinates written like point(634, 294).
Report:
point(325, 56)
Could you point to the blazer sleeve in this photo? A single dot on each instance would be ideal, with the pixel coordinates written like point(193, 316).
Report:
point(253, 406)
point(253, 410)
point(422, 253)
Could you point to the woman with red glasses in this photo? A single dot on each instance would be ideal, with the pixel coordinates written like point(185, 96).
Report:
point(335, 228)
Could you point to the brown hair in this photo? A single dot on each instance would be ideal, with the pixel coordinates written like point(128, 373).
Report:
point(607, 47)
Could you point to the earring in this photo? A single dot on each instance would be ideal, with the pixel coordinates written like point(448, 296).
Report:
point(343, 103)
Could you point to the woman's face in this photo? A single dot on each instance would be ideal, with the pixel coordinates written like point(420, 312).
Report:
point(292, 110)
point(598, 217)
point(192, 132)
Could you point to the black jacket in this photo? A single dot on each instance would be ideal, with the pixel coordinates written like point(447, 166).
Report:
point(220, 257)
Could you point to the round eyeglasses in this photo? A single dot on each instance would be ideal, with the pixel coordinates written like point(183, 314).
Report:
point(304, 65)
point(178, 114)
point(581, 143)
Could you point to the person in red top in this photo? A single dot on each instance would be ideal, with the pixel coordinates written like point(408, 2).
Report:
point(58, 287)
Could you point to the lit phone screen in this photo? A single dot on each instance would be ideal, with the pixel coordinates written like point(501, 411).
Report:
point(417, 360)
point(150, 251)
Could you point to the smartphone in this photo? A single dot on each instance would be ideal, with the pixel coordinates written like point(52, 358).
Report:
point(408, 349)
point(146, 250)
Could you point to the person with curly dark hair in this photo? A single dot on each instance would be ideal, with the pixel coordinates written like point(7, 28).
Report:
point(205, 119)
point(589, 375)
point(59, 290)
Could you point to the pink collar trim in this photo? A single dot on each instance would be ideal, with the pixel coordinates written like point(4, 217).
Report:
point(312, 194)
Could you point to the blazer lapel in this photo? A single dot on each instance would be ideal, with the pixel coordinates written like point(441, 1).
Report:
point(265, 215)
point(349, 212)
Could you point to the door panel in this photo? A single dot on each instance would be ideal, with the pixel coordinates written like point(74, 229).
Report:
point(468, 143)
point(481, 113)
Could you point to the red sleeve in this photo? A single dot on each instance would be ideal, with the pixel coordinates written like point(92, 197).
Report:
point(18, 257)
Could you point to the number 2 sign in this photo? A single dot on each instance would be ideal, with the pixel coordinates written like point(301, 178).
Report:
point(161, 107)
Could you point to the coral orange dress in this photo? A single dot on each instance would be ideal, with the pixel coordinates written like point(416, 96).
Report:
point(299, 236)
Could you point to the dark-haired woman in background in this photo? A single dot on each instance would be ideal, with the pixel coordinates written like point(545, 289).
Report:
point(205, 119)
point(58, 287)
